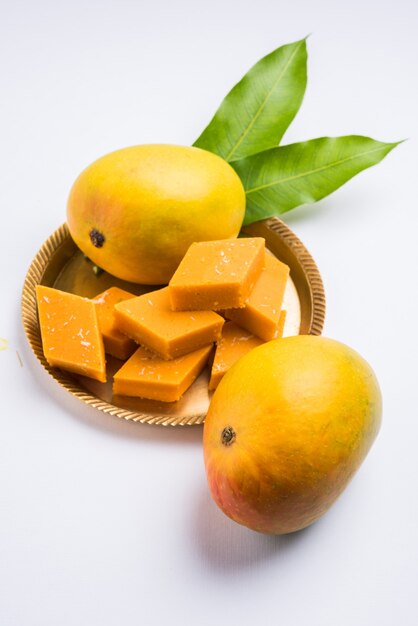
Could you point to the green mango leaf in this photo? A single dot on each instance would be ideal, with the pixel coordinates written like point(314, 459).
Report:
point(285, 177)
point(257, 111)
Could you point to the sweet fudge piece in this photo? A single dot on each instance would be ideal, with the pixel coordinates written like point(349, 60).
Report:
point(71, 338)
point(262, 313)
point(146, 375)
point(149, 320)
point(215, 275)
point(234, 343)
point(116, 343)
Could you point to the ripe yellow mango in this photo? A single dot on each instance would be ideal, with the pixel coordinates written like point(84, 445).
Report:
point(288, 426)
point(134, 212)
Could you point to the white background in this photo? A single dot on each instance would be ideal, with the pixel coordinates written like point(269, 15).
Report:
point(104, 522)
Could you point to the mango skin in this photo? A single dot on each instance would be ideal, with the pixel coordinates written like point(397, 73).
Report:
point(150, 203)
point(304, 411)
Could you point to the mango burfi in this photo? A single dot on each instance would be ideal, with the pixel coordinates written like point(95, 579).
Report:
point(71, 338)
point(115, 343)
point(234, 343)
point(215, 275)
point(149, 320)
point(262, 313)
point(146, 375)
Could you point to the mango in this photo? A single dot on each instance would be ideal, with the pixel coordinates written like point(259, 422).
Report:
point(287, 428)
point(135, 212)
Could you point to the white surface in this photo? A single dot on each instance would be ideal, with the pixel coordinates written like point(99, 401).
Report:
point(106, 522)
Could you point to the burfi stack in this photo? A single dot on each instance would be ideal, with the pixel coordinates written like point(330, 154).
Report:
point(166, 337)
point(178, 325)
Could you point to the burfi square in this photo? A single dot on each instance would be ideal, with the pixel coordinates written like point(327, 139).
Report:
point(146, 375)
point(149, 320)
point(71, 338)
point(234, 343)
point(116, 343)
point(216, 275)
point(262, 314)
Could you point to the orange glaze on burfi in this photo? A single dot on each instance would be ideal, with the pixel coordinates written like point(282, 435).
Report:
point(116, 343)
point(235, 342)
point(215, 275)
point(71, 338)
point(149, 320)
point(262, 314)
point(146, 375)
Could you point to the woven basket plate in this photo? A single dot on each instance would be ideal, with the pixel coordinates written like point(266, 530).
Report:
point(61, 265)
